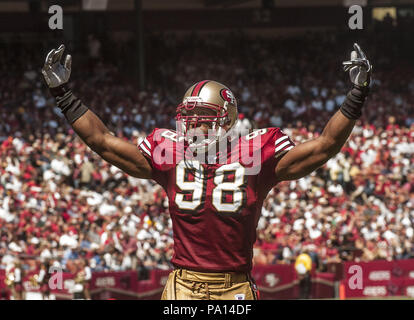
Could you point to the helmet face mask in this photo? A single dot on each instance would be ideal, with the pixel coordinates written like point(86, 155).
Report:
point(207, 117)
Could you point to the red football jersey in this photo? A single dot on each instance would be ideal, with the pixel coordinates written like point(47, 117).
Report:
point(215, 203)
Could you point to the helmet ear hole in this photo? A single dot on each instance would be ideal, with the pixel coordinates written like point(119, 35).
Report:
point(227, 120)
point(224, 121)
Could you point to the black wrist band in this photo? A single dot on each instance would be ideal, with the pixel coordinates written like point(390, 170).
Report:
point(71, 106)
point(59, 91)
point(352, 106)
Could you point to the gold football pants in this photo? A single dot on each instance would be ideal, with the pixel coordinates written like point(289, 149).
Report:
point(185, 284)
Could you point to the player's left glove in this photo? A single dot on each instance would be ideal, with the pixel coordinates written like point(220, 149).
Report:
point(360, 70)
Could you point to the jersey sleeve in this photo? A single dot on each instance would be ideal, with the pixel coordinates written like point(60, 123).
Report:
point(282, 142)
point(275, 144)
point(147, 146)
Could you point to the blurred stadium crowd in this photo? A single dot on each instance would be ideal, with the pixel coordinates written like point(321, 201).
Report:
point(60, 203)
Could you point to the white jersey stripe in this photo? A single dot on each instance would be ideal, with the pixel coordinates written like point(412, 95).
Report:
point(282, 152)
point(143, 148)
point(284, 144)
point(280, 140)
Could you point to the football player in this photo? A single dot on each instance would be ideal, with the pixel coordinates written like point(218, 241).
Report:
point(214, 202)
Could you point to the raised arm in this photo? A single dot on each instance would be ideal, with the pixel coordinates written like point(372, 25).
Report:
point(87, 124)
point(308, 156)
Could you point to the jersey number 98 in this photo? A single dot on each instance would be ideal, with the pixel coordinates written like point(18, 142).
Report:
point(229, 183)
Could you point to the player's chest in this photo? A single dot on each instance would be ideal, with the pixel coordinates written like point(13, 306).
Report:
point(220, 187)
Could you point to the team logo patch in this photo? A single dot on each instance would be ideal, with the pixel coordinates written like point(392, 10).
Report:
point(239, 296)
point(272, 279)
point(227, 95)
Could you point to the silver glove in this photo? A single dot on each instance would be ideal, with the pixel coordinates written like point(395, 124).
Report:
point(55, 73)
point(359, 67)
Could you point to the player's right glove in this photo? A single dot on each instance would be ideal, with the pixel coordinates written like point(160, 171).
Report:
point(57, 76)
point(360, 70)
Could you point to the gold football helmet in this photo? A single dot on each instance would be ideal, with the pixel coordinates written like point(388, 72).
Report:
point(211, 103)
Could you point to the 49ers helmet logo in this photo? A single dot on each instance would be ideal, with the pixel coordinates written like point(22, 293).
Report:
point(227, 95)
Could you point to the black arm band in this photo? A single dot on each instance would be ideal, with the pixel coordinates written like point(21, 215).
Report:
point(352, 106)
point(71, 106)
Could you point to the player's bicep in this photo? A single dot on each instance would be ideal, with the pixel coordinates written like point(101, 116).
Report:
point(301, 160)
point(125, 156)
